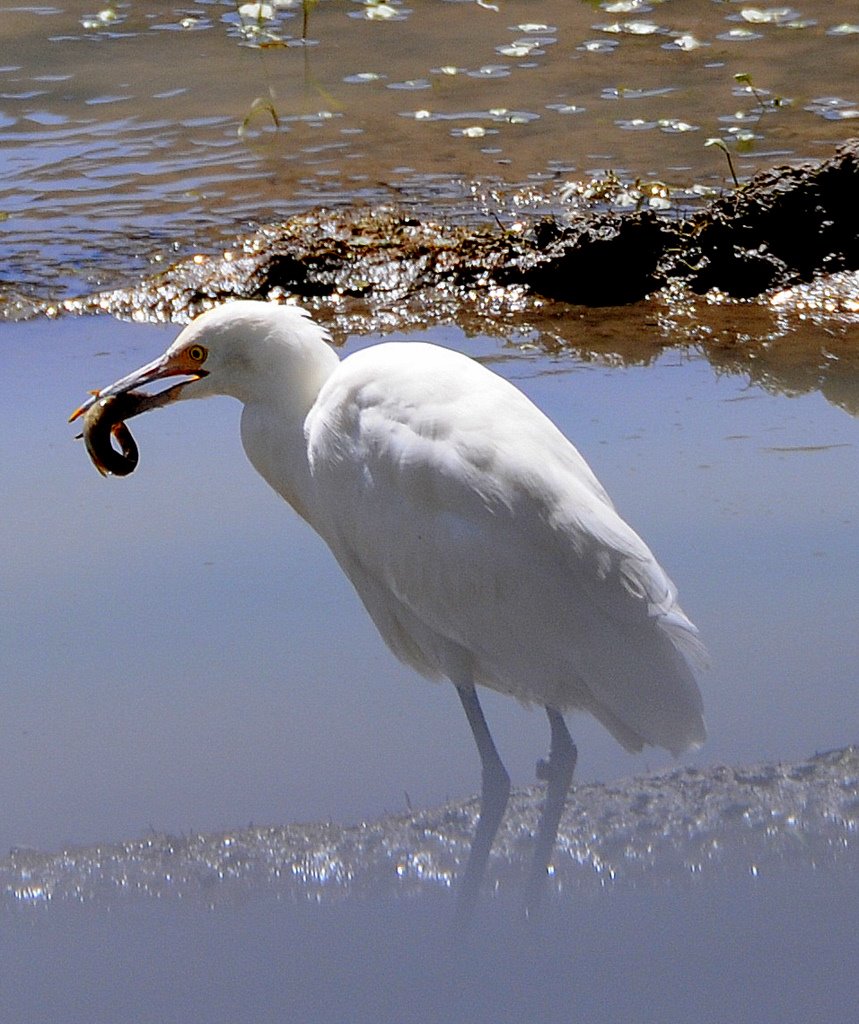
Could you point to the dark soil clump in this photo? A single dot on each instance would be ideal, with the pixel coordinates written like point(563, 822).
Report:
point(784, 227)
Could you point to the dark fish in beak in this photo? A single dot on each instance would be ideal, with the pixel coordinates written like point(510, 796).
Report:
point(104, 417)
point(105, 411)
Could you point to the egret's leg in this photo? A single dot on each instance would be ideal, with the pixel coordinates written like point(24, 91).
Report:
point(495, 790)
point(558, 773)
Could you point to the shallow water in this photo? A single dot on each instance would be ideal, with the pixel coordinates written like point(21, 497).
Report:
point(180, 651)
point(126, 139)
point(749, 951)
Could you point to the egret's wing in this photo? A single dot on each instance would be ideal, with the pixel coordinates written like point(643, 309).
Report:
point(472, 527)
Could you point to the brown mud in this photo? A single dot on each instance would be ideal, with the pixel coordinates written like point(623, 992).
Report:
point(778, 256)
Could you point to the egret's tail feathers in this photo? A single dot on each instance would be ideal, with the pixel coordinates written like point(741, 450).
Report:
point(686, 638)
point(628, 738)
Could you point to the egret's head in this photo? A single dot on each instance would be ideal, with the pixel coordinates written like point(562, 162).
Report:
point(243, 349)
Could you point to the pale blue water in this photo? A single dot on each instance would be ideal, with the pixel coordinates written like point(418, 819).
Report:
point(179, 651)
point(773, 950)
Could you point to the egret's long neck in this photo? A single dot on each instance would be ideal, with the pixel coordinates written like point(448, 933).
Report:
point(273, 425)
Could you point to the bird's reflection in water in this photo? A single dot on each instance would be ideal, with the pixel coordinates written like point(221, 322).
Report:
point(479, 540)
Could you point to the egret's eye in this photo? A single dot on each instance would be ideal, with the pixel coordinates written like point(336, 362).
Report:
point(197, 353)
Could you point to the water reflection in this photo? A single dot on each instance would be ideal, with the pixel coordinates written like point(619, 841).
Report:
point(776, 949)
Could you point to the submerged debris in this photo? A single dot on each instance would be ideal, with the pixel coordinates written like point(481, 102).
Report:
point(676, 824)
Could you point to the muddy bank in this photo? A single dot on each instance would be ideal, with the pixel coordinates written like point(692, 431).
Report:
point(789, 240)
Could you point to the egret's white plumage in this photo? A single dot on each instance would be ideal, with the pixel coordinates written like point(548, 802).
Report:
point(481, 543)
point(479, 540)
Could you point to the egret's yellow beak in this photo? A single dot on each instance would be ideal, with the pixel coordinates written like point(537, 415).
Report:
point(178, 364)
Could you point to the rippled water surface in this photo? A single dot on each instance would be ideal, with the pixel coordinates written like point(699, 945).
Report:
point(153, 127)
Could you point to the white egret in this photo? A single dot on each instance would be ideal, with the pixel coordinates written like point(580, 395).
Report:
point(482, 545)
